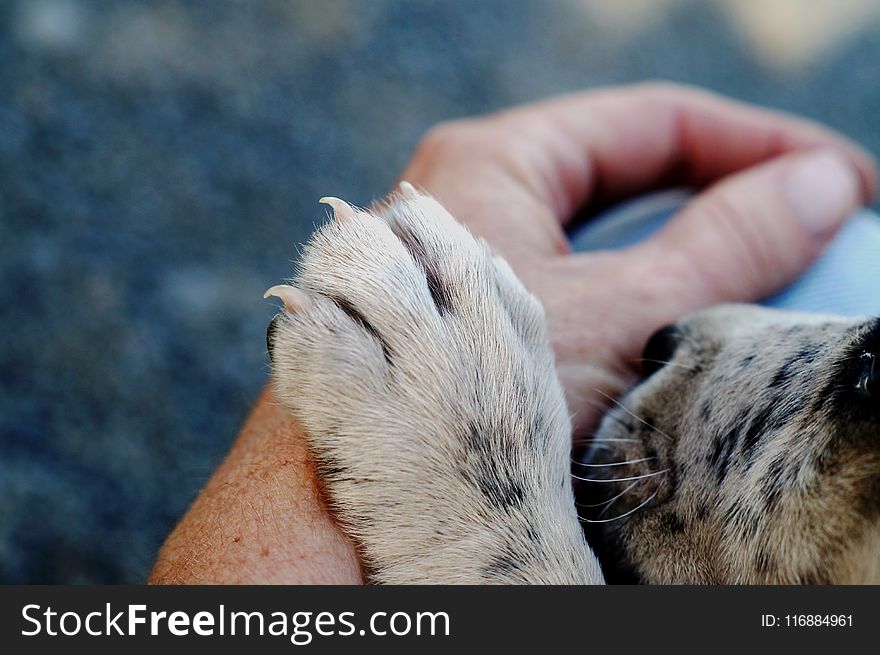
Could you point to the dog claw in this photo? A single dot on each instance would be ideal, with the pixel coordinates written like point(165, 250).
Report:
point(406, 188)
point(294, 300)
point(341, 209)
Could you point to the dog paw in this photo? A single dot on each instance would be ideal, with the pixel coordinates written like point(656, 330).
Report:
point(421, 371)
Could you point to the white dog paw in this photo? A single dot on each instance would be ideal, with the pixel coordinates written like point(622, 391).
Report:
point(421, 370)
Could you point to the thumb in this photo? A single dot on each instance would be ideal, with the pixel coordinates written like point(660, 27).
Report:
point(754, 232)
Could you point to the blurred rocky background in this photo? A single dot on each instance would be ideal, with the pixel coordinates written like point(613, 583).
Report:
point(159, 161)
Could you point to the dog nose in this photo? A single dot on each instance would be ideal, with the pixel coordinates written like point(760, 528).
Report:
point(660, 349)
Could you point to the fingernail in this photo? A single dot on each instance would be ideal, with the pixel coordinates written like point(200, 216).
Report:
point(822, 189)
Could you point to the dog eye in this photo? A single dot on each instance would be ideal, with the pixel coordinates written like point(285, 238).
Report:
point(660, 349)
point(869, 374)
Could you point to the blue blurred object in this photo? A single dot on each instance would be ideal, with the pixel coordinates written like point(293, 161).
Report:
point(844, 280)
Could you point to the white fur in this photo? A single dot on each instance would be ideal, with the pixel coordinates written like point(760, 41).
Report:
point(422, 372)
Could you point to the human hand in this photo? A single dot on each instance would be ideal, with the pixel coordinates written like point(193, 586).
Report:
point(778, 188)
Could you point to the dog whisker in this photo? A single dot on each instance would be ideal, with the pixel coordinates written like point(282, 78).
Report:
point(637, 477)
point(589, 441)
point(613, 440)
point(638, 418)
point(663, 363)
point(631, 461)
point(610, 500)
point(625, 514)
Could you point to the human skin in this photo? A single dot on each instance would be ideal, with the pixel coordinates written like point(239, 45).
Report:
point(774, 190)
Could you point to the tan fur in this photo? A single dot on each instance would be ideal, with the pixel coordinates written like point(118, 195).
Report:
point(772, 458)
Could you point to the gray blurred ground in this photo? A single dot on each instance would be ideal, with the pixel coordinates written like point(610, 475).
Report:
point(159, 161)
